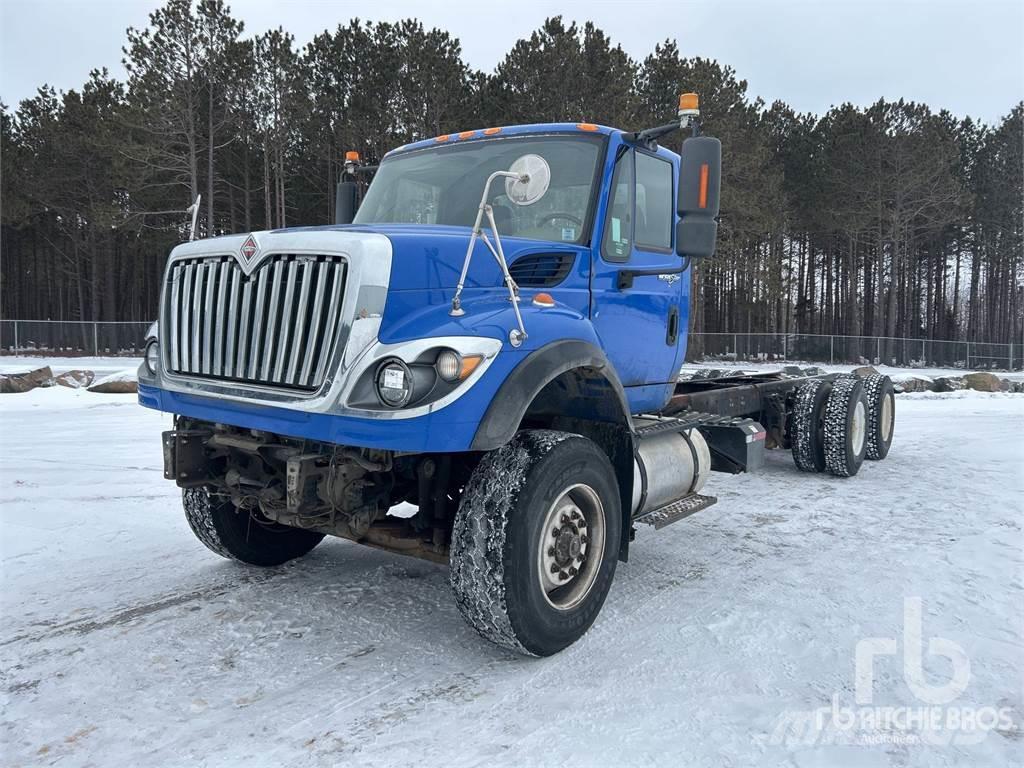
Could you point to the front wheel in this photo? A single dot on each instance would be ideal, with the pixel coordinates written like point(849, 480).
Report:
point(239, 535)
point(535, 541)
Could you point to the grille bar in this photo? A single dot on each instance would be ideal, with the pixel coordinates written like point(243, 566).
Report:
point(277, 327)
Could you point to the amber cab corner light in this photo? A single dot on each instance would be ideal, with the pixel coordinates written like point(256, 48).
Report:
point(689, 104)
point(442, 137)
point(491, 131)
point(351, 156)
point(544, 300)
point(467, 134)
point(586, 126)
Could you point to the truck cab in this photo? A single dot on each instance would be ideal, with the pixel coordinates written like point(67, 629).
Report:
point(493, 337)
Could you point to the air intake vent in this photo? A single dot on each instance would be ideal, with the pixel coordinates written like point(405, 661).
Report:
point(541, 270)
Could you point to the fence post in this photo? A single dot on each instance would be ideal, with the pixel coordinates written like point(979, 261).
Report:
point(15, 337)
point(831, 350)
point(967, 354)
point(1010, 361)
point(736, 345)
point(96, 338)
point(785, 351)
point(878, 351)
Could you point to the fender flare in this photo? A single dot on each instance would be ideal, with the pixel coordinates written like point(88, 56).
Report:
point(524, 383)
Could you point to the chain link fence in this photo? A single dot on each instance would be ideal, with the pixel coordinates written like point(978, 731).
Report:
point(863, 350)
point(74, 338)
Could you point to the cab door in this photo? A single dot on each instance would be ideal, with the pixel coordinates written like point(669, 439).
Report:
point(637, 286)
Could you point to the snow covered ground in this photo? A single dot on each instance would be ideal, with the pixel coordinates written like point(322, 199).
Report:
point(124, 642)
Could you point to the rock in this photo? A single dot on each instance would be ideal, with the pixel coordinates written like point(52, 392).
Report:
point(864, 371)
point(983, 382)
point(916, 384)
point(793, 370)
point(75, 379)
point(23, 382)
point(948, 384)
point(116, 384)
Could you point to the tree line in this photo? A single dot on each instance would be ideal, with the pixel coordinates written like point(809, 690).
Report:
point(890, 220)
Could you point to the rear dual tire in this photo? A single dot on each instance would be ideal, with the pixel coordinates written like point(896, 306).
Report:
point(807, 435)
point(880, 397)
point(845, 427)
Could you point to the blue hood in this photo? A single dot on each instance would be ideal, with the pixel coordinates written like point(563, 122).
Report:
point(430, 257)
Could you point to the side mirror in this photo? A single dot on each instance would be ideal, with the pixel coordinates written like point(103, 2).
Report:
point(346, 202)
point(700, 183)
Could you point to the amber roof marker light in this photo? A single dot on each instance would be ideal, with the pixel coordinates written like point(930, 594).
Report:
point(689, 111)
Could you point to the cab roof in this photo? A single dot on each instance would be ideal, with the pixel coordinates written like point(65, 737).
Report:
point(506, 130)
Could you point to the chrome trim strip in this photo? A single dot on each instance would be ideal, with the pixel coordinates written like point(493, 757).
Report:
point(243, 328)
point(314, 323)
point(172, 337)
point(332, 312)
point(270, 345)
point(282, 346)
point(252, 372)
point(229, 362)
point(301, 321)
point(218, 342)
point(211, 275)
point(186, 302)
point(197, 317)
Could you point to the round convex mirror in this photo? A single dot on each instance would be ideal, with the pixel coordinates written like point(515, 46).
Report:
point(538, 174)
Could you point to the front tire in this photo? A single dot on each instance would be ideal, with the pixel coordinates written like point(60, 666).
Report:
point(535, 541)
point(237, 535)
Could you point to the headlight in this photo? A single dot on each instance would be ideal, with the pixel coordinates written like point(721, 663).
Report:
point(394, 383)
point(449, 364)
point(153, 356)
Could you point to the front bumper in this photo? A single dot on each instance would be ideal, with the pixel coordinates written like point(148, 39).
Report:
point(442, 431)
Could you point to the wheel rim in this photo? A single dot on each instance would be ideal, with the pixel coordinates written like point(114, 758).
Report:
point(857, 428)
point(571, 547)
point(886, 417)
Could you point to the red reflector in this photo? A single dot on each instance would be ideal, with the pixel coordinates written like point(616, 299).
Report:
point(703, 197)
point(757, 436)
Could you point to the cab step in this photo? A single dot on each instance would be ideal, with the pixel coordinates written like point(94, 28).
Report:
point(677, 510)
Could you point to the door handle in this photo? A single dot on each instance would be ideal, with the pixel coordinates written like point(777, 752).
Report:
point(670, 276)
point(673, 326)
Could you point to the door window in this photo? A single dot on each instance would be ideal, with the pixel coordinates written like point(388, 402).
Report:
point(618, 230)
point(653, 203)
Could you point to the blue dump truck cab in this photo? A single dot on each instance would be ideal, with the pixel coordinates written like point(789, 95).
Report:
point(491, 331)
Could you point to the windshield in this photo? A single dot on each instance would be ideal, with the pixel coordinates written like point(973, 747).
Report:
point(443, 185)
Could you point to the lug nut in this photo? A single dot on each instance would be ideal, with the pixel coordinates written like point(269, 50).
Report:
point(562, 576)
point(565, 519)
point(551, 551)
point(555, 532)
point(554, 568)
point(572, 571)
point(584, 539)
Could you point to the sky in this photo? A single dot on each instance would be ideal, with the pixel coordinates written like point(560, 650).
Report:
point(964, 56)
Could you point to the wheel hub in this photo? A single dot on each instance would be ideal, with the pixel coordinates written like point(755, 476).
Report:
point(566, 571)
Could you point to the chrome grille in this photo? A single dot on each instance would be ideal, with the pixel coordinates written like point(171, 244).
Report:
point(277, 327)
